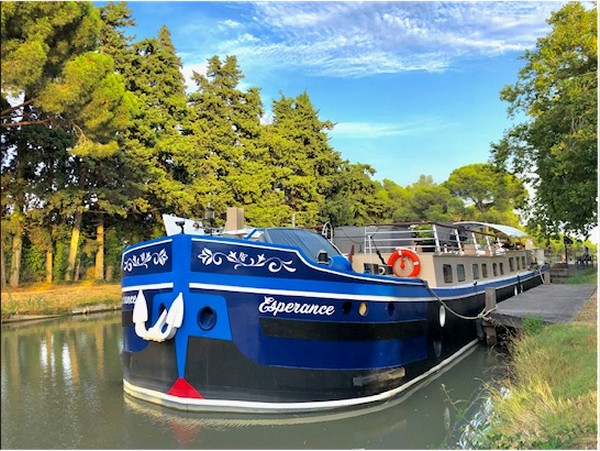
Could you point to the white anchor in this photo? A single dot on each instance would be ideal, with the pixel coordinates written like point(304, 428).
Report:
point(172, 318)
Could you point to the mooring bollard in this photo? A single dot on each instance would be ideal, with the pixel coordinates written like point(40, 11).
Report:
point(488, 327)
point(546, 277)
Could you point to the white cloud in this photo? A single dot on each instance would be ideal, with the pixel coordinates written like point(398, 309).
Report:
point(358, 39)
point(229, 24)
point(367, 130)
point(188, 71)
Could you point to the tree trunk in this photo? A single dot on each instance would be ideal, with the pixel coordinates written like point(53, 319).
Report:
point(109, 273)
point(2, 265)
point(17, 214)
point(15, 262)
point(77, 268)
point(17, 246)
point(49, 268)
point(74, 246)
point(100, 250)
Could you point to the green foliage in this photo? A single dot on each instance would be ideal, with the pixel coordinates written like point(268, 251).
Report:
point(555, 150)
point(354, 199)
point(38, 38)
point(227, 160)
point(424, 200)
point(61, 259)
point(584, 276)
point(93, 98)
point(533, 325)
point(552, 400)
point(34, 261)
point(493, 192)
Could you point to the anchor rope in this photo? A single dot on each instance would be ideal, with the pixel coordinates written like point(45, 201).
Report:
point(541, 275)
point(481, 315)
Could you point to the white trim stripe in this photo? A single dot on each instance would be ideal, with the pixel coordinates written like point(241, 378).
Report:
point(150, 286)
point(307, 294)
point(193, 404)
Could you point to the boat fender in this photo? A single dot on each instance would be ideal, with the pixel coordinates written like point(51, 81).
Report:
point(401, 254)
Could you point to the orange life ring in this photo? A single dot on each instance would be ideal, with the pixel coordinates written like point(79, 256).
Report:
point(402, 254)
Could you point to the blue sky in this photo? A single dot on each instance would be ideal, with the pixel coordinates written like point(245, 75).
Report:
point(413, 87)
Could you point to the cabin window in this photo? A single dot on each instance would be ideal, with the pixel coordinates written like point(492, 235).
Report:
point(511, 264)
point(495, 269)
point(460, 273)
point(447, 269)
point(501, 268)
point(475, 271)
point(484, 273)
point(523, 262)
point(518, 263)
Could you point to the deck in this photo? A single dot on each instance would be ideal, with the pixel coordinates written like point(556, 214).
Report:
point(553, 303)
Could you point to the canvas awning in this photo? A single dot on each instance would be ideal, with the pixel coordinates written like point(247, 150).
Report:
point(509, 231)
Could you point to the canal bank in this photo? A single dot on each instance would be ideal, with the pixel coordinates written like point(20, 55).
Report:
point(38, 302)
point(549, 400)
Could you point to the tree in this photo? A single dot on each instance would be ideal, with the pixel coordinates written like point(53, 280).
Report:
point(555, 150)
point(354, 198)
point(158, 136)
point(66, 86)
point(227, 163)
point(494, 193)
point(302, 159)
point(38, 38)
point(424, 200)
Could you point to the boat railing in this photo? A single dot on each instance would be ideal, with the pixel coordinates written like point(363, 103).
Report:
point(430, 237)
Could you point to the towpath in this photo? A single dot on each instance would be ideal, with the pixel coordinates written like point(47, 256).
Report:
point(553, 303)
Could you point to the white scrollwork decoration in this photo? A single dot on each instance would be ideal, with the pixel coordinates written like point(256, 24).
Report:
point(144, 259)
point(273, 264)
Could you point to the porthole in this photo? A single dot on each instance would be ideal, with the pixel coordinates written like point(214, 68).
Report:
point(362, 309)
point(391, 308)
point(207, 318)
point(347, 307)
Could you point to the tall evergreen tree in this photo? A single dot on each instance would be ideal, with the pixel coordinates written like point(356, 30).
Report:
point(159, 139)
point(67, 88)
point(228, 158)
point(354, 198)
point(306, 165)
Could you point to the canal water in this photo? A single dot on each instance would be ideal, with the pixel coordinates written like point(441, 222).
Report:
point(62, 389)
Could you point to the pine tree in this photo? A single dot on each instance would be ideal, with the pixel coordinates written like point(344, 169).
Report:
point(228, 160)
point(305, 164)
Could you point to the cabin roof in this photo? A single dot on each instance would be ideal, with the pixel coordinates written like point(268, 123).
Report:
point(504, 229)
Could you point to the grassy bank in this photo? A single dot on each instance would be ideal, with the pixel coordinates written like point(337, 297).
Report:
point(58, 299)
point(552, 391)
point(581, 276)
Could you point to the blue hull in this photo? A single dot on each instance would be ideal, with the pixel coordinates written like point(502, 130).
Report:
point(238, 325)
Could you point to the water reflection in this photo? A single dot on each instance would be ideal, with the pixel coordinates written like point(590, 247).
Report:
point(62, 388)
point(59, 379)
